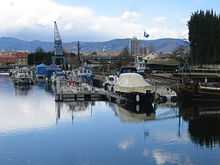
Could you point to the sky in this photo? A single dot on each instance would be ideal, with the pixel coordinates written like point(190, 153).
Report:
point(99, 20)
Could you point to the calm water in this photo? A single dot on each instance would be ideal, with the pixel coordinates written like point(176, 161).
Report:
point(36, 131)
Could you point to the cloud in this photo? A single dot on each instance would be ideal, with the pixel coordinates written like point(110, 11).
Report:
point(164, 27)
point(31, 19)
point(130, 16)
point(146, 152)
point(21, 116)
point(162, 157)
point(160, 19)
point(126, 143)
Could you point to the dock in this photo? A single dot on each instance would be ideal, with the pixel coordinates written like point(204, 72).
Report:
point(85, 92)
point(70, 94)
point(213, 77)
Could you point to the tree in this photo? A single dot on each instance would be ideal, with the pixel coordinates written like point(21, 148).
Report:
point(182, 54)
point(204, 37)
point(40, 56)
point(124, 52)
point(151, 49)
point(181, 50)
point(125, 57)
point(94, 53)
point(39, 50)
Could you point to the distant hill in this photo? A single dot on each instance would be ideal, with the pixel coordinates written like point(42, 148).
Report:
point(166, 45)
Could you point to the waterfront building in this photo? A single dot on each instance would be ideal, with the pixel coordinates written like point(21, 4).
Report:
point(14, 58)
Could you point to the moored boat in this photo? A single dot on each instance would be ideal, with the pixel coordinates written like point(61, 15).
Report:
point(23, 77)
point(140, 65)
point(41, 72)
point(134, 88)
point(85, 74)
point(198, 93)
point(57, 76)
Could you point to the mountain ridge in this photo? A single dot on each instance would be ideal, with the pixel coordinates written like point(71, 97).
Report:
point(163, 45)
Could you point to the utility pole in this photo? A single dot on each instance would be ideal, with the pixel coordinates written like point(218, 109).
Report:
point(78, 51)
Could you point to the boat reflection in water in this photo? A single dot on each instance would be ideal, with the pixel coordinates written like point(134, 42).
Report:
point(75, 109)
point(22, 90)
point(204, 121)
point(135, 113)
point(126, 112)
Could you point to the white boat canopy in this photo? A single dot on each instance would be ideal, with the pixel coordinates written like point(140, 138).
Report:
point(132, 82)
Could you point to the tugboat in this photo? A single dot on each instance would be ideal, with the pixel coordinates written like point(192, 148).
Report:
point(133, 86)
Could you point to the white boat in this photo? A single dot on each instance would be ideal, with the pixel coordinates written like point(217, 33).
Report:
point(132, 82)
point(23, 77)
point(85, 73)
point(140, 65)
point(134, 87)
point(4, 74)
point(56, 76)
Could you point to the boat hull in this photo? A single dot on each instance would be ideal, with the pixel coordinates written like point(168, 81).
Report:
point(195, 94)
point(138, 98)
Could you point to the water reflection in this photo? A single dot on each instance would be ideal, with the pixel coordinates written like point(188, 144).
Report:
point(74, 109)
point(19, 115)
point(203, 124)
point(36, 130)
point(135, 113)
point(22, 90)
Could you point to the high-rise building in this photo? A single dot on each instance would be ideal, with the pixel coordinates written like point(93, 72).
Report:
point(135, 47)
